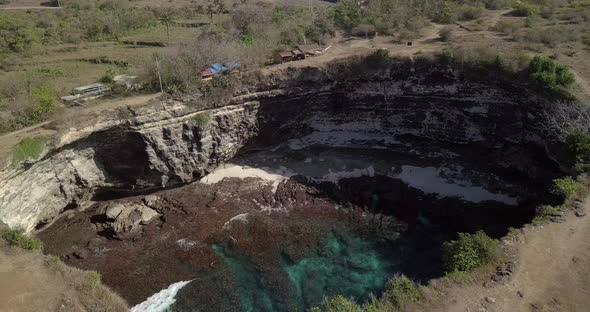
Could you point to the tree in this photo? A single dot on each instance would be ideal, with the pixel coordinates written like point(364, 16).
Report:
point(167, 16)
point(46, 98)
point(210, 10)
point(16, 35)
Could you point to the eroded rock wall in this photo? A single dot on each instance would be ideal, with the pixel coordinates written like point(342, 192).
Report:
point(158, 150)
point(167, 146)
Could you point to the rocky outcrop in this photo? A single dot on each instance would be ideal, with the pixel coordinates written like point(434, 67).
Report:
point(128, 217)
point(412, 108)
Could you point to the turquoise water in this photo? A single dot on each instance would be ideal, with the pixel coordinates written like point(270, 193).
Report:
point(346, 265)
point(254, 296)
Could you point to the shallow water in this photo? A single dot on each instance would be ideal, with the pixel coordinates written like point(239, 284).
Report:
point(346, 265)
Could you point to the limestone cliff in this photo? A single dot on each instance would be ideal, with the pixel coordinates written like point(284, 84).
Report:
point(414, 108)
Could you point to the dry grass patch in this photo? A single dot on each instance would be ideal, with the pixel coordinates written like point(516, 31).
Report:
point(92, 294)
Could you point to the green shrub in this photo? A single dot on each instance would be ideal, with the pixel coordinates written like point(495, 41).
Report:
point(401, 291)
point(446, 14)
point(378, 59)
point(497, 4)
point(46, 101)
point(566, 187)
point(16, 34)
point(524, 9)
point(107, 77)
point(578, 143)
point(469, 12)
point(550, 73)
point(340, 304)
point(18, 237)
point(30, 148)
point(202, 120)
point(348, 14)
point(544, 214)
point(469, 251)
point(94, 277)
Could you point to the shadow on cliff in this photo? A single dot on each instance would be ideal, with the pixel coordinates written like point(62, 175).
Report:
point(504, 148)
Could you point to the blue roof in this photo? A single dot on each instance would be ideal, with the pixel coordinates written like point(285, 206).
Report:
point(217, 68)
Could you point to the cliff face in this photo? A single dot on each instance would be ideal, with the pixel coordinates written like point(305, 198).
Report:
point(418, 112)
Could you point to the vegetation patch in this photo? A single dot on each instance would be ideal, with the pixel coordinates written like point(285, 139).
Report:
point(469, 251)
point(551, 73)
point(202, 120)
point(566, 187)
point(18, 237)
point(95, 278)
point(524, 9)
point(578, 143)
point(544, 214)
point(30, 148)
point(401, 291)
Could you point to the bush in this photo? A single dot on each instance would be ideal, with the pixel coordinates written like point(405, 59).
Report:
point(469, 12)
point(469, 251)
point(497, 4)
point(550, 73)
point(446, 34)
point(566, 187)
point(524, 9)
point(95, 278)
point(401, 291)
point(339, 304)
point(19, 238)
point(46, 102)
point(348, 14)
point(378, 59)
point(30, 149)
point(16, 34)
point(202, 120)
point(578, 143)
point(544, 213)
point(446, 14)
point(107, 77)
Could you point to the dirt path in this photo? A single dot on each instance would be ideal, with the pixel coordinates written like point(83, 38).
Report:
point(553, 274)
point(582, 84)
point(30, 8)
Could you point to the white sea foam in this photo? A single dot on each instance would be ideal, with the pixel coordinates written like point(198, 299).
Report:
point(161, 301)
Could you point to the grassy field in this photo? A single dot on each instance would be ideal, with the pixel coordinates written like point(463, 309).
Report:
point(93, 45)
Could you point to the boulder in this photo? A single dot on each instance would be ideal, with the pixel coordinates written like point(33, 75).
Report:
point(127, 217)
point(151, 200)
